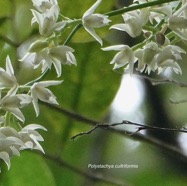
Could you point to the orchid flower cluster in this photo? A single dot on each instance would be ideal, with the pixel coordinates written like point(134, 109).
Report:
point(162, 27)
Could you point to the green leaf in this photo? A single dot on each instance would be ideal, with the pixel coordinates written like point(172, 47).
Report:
point(28, 170)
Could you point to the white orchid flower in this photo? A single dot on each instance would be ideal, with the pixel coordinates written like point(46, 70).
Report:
point(39, 91)
point(48, 21)
point(91, 21)
point(125, 56)
point(10, 144)
point(178, 22)
point(39, 53)
point(146, 57)
point(61, 55)
point(168, 58)
point(30, 137)
point(12, 103)
point(44, 5)
point(134, 21)
point(7, 78)
point(12, 141)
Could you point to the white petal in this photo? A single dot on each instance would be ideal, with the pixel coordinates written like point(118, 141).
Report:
point(48, 83)
point(35, 104)
point(92, 32)
point(114, 47)
point(39, 17)
point(5, 157)
point(37, 145)
point(92, 8)
point(28, 145)
point(9, 68)
point(33, 127)
point(132, 31)
point(71, 58)
point(59, 25)
point(15, 151)
point(120, 26)
point(17, 113)
point(178, 49)
point(58, 67)
point(25, 99)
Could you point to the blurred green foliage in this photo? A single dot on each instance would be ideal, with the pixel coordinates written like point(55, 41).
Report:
point(88, 89)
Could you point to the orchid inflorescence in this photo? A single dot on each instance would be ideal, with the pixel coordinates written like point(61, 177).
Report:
point(162, 25)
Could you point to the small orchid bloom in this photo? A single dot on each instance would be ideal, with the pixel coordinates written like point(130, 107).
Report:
point(39, 91)
point(179, 26)
point(168, 58)
point(9, 147)
point(40, 53)
point(146, 57)
point(37, 52)
point(31, 137)
point(91, 21)
point(9, 144)
point(125, 56)
point(48, 21)
point(12, 141)
point(134, 21)
point(178, 22)
point(160, 13)
point(7, 78)
point(44, 5)
point(62, 55)
point(12, 103)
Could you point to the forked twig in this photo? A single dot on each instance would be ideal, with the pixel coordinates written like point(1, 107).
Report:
point(140, 127)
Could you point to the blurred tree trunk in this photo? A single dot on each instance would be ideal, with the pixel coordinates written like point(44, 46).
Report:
point(159, 117)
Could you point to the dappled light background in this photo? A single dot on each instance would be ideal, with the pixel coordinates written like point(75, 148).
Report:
point(92, 92)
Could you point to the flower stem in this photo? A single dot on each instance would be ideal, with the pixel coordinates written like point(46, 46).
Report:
point(135, 7)
point(44, 74)
point(72, 33)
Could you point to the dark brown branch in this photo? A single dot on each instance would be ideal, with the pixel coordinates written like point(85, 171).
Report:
point(85, 174)
point(126, 122)
point(136, 136)
point(163, 81)
point(178, 102)
point(154, 81)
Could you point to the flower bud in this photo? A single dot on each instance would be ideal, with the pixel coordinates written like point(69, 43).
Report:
point(160, 38)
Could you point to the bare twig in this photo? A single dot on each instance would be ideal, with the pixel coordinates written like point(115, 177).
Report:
point(178, 102)
point(163, 81)
point(155, 81)
point(136, 136)
point(85, 174)
point(126, 122)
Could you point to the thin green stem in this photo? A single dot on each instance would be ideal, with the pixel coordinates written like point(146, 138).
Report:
point(117, 12)
point(38, 79)
point(8, 41)
point(72, 34)
point(135, 7)
point(139, 45)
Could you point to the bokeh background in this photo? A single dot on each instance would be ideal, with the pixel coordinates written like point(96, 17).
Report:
point(93, 92)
